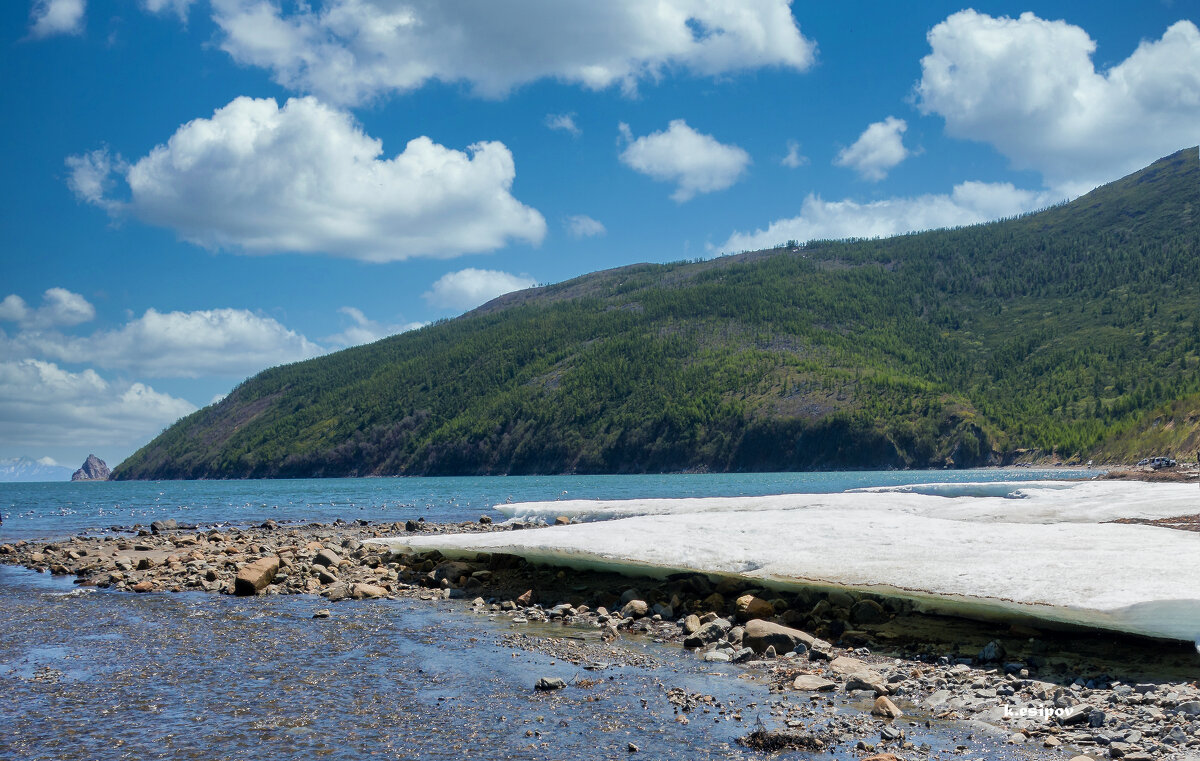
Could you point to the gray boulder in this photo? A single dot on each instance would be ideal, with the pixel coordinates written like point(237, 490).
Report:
point(708, 633)
point(868, 612)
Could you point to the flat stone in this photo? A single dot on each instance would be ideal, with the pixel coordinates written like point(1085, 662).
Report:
point(762, 634)
point(362, 591)
point(846, 665)
point(867, 680)
point(813, 683)
point(1075, 715)
point(549, 683)
point(327, 558)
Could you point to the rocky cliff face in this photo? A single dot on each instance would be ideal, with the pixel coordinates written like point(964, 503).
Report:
point(93, 469)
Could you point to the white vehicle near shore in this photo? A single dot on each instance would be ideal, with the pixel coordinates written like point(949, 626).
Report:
point(1157, 463)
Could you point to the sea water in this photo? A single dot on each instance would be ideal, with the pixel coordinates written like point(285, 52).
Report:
point(44, 510)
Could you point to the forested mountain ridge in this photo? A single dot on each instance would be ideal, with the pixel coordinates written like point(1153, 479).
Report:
point(1071, 330)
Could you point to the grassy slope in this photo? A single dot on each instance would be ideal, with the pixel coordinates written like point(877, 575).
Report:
point(1063, 330)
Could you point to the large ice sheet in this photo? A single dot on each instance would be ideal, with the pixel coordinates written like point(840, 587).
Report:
point(1011, 501)
point(1040, 550)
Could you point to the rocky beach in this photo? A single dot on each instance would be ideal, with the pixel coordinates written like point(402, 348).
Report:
point(841, 671)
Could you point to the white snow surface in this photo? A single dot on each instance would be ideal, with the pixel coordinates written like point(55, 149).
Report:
point(1038, 549)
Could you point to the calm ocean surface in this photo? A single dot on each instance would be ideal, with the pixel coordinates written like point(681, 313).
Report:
point(45, 510)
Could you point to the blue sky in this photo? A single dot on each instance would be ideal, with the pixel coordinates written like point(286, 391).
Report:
point(198, 189)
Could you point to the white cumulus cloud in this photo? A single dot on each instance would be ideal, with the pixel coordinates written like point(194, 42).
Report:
point(969, 203)
point(44, 406)
point(583, 226)
point(363, 330)
point(471, 287)
point(1029, 87)
point(305, 178)
point(50, 17)
point(879, 148)
point(697, 163)
point(350, 51)
point(60, 308)
point(227, 342)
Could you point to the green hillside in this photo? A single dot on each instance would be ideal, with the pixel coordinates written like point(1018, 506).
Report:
point(1068, 331)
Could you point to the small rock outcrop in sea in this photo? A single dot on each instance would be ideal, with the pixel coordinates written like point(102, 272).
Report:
point(93, 469)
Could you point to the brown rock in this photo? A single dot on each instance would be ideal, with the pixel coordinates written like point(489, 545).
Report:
point(635, 609)
point(762, 634)
point(453, 570)
point(144, 586)
point(882, 757)
point(749, 606)
point(526, 597)
point(367, 591)
point(255, 576)
point(562, 520)
point(886, 708)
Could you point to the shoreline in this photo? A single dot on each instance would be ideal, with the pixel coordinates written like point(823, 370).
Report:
point(1111, 696)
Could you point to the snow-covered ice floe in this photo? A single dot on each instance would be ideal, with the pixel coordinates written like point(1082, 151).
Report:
point(1012, 550)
